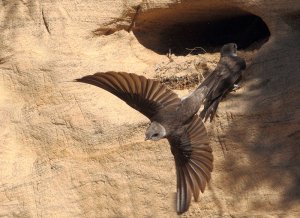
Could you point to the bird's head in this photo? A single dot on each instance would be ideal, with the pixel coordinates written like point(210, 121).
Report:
point(229, 49)
point(155, 132)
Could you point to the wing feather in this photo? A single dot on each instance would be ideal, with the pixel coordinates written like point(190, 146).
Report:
point(183, 191)
point(193, 160)
point(145, 95)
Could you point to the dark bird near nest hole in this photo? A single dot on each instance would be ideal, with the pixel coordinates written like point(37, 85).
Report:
point(222, 80)
point(172, 118)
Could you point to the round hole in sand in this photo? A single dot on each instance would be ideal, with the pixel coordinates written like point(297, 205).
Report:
point(203, 27)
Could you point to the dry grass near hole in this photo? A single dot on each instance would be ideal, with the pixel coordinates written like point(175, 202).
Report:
point(184, 72)
point(182, 82)
point(187, 72)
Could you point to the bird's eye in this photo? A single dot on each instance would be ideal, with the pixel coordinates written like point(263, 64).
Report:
point(155, 135)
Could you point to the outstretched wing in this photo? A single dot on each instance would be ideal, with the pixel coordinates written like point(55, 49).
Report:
point(193, 160)
point(145, 95)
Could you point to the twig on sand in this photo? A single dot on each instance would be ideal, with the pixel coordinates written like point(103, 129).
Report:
point(193, 49)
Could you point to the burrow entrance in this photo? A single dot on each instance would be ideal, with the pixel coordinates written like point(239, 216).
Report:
point(203, 28)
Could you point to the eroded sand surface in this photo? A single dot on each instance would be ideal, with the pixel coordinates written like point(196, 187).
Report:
point(74, 150)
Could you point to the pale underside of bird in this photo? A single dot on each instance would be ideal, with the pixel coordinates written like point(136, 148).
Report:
point(222, 80)
point(171, 117)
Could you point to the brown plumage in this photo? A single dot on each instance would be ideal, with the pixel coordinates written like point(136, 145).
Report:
point(172, 118)
point(221, 81)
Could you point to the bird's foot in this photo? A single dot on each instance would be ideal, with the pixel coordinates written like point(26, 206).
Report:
point(236, 87)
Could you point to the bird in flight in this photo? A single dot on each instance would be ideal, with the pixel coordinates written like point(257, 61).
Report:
point(172, 118)
point(222, 80)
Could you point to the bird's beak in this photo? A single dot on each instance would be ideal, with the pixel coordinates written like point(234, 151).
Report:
point(146, 138)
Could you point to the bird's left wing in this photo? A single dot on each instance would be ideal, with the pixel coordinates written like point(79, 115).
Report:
point(145, 95)
point(193, 160)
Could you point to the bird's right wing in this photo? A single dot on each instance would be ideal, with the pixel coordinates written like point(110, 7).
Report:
point(145, 95)
point(229, 72)
point(193, 160)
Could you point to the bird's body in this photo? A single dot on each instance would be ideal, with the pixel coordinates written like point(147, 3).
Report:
point(172, 118)
point(221, 81)
point(184, 110)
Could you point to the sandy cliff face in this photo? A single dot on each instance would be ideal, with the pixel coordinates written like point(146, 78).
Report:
point(69, 149)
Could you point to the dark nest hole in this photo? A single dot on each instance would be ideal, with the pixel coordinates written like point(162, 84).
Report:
point(196, 35)
point(246, 31)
